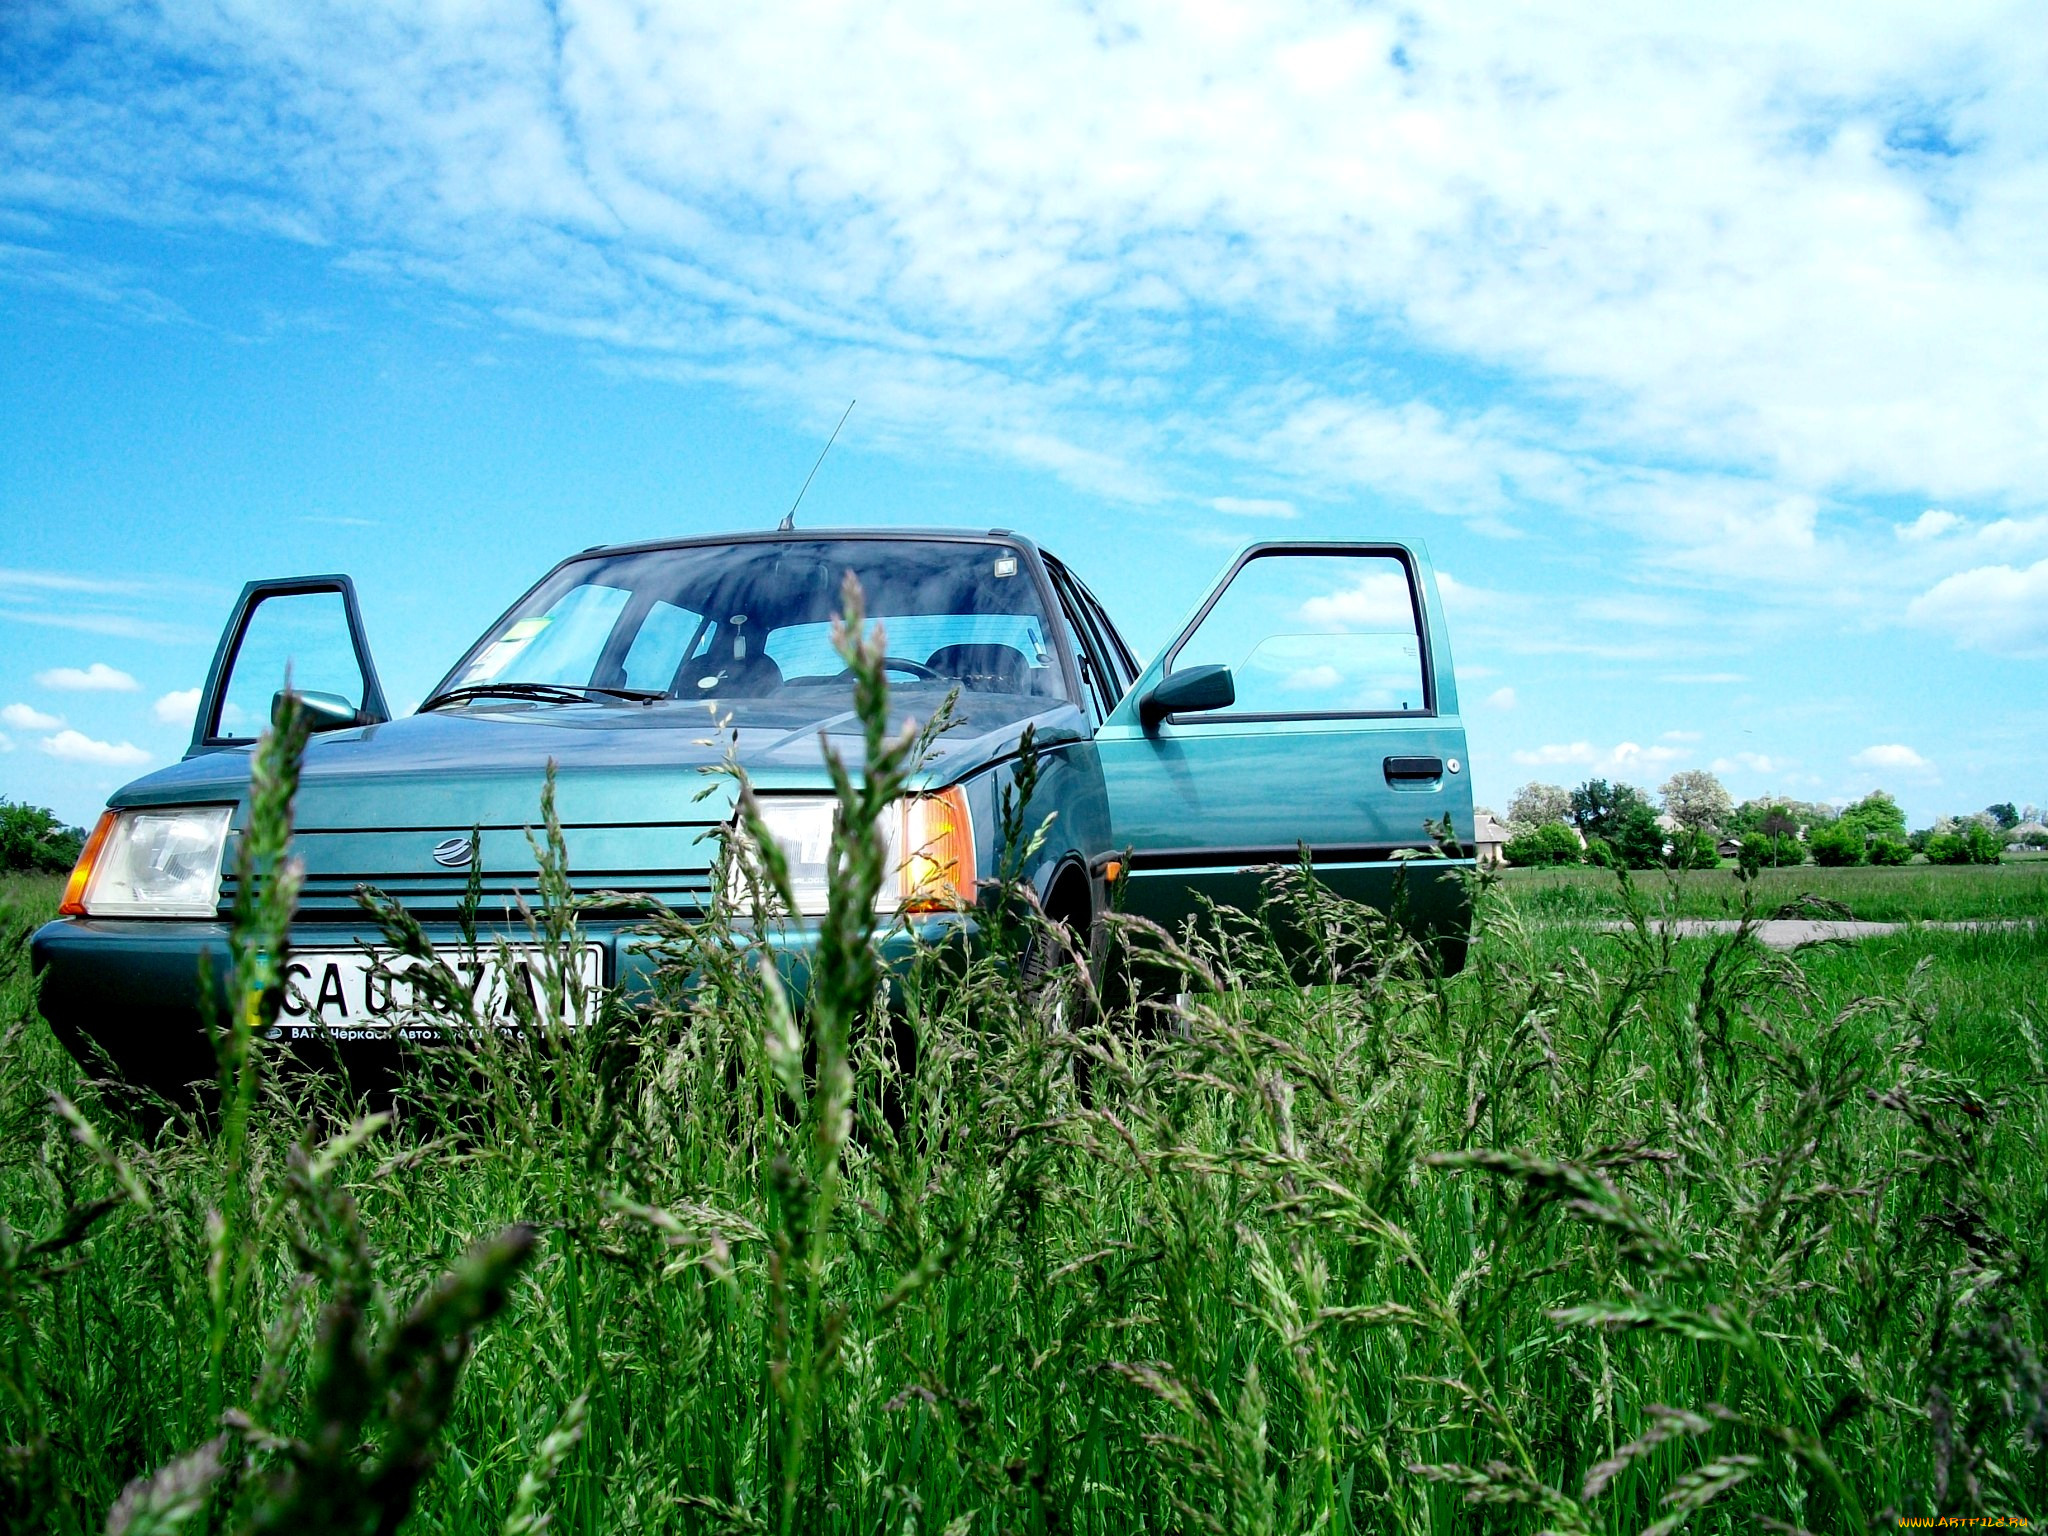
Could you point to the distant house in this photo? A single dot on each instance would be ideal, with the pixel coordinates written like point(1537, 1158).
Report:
point(1489, 837)
point(1729, 848)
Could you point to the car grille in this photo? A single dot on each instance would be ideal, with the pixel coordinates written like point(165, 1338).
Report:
point(670, 862)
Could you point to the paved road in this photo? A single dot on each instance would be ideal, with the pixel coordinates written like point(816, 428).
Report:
point(1790, 933)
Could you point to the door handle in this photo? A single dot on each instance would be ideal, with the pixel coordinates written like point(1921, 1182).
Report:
point(1409, 770)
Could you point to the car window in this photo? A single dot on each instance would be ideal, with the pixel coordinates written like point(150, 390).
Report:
point(1122, 664)
point(660, 646)
point(965, 611)
point(1097, 672)
point(961, 646)
point(556, 645)
point(1309, 634)
point(303, 634)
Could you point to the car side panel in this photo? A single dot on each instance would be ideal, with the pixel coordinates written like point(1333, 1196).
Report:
point(1256, 793)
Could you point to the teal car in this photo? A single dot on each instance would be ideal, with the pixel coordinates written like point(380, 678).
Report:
point(1308, 700)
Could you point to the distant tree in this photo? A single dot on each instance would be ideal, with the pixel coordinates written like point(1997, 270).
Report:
point(1767, 850)
point(1837, 844)
point(1971, 842)
point(1551, 844)
point(2007, 815)
point(1629, 836)
point(1877, 814)
point(1538, 805)
point(1599, 807)
point(33, 840)
point(1693, 848)
point(1888, 850)
point(1696, 801)
point(1778, 816)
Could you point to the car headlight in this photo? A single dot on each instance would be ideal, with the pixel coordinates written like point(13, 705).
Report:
point(151, 862)
point(929, 842)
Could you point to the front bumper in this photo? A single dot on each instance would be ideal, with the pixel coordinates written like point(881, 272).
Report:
point(130, 991)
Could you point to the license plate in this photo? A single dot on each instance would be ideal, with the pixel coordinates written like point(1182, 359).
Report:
point(352, 994)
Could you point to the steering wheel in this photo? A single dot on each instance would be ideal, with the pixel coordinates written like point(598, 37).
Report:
point(916, 669)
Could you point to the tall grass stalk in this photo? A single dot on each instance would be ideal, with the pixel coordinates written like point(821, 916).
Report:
point(1611, 1233)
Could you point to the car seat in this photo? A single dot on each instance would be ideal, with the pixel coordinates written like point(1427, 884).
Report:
point(984, 668)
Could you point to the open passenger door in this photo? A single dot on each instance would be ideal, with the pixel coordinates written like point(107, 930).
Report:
point(1309, 700)
point(305, 628)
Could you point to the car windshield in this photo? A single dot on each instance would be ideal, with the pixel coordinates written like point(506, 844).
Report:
point(754, 620)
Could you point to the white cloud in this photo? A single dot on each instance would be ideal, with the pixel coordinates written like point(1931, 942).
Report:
point(1462, 600)
point(1992, 608)
point(1790, 246)
point(1931, 524)
point(1556, 754)
point(1376, 601)
point(1501, 698)
point(24, 717)
point(15, 579)
point(77, 747)
point(1623, 757)
point(1253, 506)
point(97, 678)
point(1628, 754)
point(1640, 610)
point(1747, 762)
point(177, 708)
point(124, 607)
point(2014, 536)
point(1892, 757)
point(1310, 679)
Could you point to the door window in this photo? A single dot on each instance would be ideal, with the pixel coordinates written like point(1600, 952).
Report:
point(1121, 661)
point(305, 635)
point(1314, 634)
point(1098, 672)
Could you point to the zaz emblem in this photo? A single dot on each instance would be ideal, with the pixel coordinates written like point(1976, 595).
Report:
point(453, 853)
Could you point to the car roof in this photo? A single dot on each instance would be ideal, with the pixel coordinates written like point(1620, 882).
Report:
point(807, 535)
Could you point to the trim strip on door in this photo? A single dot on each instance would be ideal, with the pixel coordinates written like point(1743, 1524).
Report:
point(1262, 858)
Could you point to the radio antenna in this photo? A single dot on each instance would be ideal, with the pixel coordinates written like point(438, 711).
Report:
point(788, 523)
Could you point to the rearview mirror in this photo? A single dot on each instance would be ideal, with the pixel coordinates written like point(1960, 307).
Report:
point(1179, 693)
point(323, 711)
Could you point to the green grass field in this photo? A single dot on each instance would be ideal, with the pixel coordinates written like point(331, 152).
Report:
point(1608, 1234)
point(2017, 888)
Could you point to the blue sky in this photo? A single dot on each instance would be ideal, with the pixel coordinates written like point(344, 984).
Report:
point(1708, 352)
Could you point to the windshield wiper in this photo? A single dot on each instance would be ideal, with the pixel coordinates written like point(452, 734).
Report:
point(554, 693)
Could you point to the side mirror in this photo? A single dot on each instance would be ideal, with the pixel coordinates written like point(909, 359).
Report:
point(324, 711)
point(1178, 693)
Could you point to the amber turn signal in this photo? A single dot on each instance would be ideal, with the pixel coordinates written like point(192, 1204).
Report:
point(937, 872)
point(73, 904)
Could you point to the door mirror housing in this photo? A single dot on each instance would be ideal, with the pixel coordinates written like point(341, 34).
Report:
point(323, 711)
point(1187, 692)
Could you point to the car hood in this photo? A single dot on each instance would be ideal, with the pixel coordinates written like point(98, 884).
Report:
point(615, 762)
